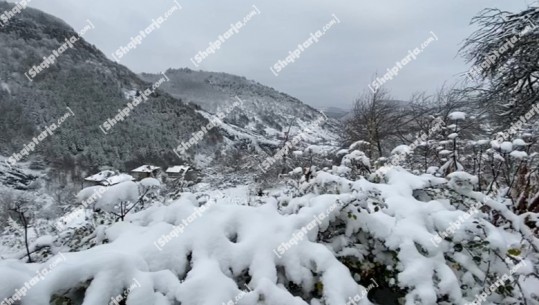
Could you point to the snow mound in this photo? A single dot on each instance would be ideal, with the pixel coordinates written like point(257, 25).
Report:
point(457, 115)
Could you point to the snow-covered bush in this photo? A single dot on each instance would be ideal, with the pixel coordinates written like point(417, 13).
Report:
point(421, 239)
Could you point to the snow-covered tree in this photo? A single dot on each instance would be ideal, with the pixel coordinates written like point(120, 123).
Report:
point(503, 54)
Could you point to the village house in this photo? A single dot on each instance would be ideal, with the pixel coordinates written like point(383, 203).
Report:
point(177, 171)
point(146, 171)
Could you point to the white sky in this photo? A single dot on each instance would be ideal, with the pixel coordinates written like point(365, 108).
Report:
point(371, 37)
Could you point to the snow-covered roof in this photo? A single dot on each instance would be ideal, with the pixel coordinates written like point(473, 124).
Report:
point(108, 177)
point(101, 176)
point(145, 169)
point(177, 169)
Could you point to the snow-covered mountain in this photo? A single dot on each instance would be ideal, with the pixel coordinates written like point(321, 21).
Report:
point(80, 80)
point(78, 83)
point(265, 112)
point(336, 112)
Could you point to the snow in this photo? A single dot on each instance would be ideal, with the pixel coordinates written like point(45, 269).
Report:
point(322, 150)
point(463, 176)
point(401, 150)
point(432, 170)
point(5, 87)
point(73, 219)
point(445, 152)
point(462, 180)
point(131, 253)
point(297, 170)
point(356, 156)
point(341, 152)
point(313, 241)
point(494, 144)
point(506, 147)
point(177, 169)
point(123, 192)
point(239, 133)
point(213, 245)
point(130, 94)
point(150, 182)
point(89, 194)
point(452, 136)
point(519, 154)
point(145, 169)
point(101, 176)
point(519, 143)
point(202, 160)
point(358, 144)
point(44, 240)
point(457, 115)
point(297, 153)
point(118, 179)
point(109, 177)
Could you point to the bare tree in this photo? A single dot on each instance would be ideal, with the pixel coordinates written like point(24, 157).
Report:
point(376, 119)
point(19, 206)
point(503, 53)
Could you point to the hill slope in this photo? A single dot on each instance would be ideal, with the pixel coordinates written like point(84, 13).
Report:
point(93, 87)
point(265, 111)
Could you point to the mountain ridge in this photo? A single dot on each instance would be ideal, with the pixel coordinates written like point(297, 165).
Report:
point(98, 90)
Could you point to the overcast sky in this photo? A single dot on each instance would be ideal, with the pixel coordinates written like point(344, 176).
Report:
point(371, 37)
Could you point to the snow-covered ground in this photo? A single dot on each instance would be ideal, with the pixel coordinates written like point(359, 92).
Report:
point(212, 245)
